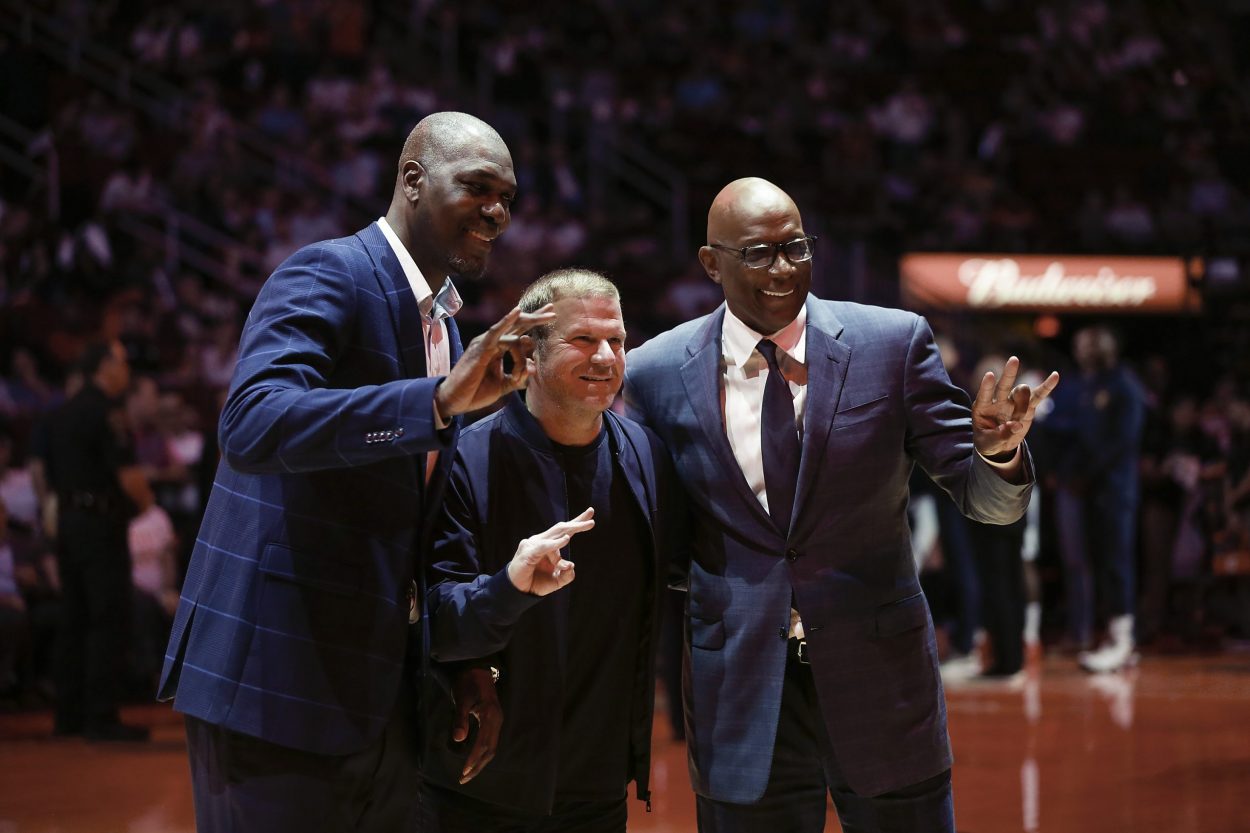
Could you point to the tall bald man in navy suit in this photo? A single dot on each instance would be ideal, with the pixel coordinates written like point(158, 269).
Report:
point(288, 648)
point(811, 667)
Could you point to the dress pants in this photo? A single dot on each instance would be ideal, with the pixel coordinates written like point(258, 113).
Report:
point(997, 550)
point(447, 811)
point(1098, 547)
point(804, 770)
point(243, 784)
point(94, 563)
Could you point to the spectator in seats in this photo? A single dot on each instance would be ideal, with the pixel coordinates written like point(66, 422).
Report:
point(18, 488)
point(154, 573)
point(24, 392)
point(1178, 465)
point(1238, 494)
point(14, 627)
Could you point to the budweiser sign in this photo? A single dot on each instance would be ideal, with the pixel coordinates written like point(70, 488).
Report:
point(1050, 283)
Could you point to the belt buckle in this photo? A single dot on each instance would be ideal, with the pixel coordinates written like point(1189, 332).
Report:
point(800, 653)
point(414, 608)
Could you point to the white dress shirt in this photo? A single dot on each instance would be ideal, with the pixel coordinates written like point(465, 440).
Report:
point(743, 374)
point(434, 312)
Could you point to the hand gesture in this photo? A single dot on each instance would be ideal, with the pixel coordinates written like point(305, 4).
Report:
point(1001, 413)
point(537, 567)
point(478, 379)
point(474, 692)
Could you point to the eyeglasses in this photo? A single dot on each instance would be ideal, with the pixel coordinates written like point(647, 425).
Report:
point(764, 255)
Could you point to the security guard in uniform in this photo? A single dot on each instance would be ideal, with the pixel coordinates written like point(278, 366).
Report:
point(90, 465)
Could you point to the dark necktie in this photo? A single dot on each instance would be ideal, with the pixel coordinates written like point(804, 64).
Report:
point(779, 441)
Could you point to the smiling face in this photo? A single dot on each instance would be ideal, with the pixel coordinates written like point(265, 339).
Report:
point(580, 365)
point(460, 200)
point(749, 212)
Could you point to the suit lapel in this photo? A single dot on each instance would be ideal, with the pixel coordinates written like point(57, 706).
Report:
point(402, 304)
point(701, 375)
point(827, 362)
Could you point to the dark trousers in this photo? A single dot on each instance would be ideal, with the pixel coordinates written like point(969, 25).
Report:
point(447, 811)
point(94, 563)
point(1097, 543)
point(804, 770)
point(243, 784)
point(997, 551)
point(957, 549)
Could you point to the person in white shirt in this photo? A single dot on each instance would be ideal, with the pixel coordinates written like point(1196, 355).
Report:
point(794, 423)
point(290, 652)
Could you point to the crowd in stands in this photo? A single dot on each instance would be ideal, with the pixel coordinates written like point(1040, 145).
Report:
point(1062, 125)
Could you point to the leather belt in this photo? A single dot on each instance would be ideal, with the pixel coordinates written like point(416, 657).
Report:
point(94, 502)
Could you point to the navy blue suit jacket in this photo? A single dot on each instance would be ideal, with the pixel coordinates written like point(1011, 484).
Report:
point(878, 399)
point(294, 615)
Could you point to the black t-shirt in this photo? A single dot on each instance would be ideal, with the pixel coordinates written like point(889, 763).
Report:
point(606, 604)
point(87, 444)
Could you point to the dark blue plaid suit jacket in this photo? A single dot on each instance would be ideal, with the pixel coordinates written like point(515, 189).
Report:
point(878, 399)
point(294, 614)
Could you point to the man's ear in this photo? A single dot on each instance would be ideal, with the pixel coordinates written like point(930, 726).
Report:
point(412, 175)
point(707, 257)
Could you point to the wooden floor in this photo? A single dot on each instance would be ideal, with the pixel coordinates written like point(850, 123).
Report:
point(1163, 748)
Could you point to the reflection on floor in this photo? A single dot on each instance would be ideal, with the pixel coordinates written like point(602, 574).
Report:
point(1163, 747)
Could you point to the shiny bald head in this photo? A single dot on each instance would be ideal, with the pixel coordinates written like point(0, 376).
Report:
point(741, 201)
point(453, 195)
point(750, 212)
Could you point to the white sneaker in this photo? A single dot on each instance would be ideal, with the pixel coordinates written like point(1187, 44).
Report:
point(1118, 652)
point(1112, 656)
point(962, 667)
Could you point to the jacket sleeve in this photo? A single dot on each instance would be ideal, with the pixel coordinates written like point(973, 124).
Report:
point(285, 412)
point(676, 510)
point(939, 437)
point(471, 613)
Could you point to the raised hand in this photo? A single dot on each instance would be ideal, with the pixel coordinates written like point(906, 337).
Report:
point(537, 567)
point(1003, 411)
point(478, 379)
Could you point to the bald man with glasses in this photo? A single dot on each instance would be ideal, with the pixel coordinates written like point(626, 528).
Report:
point(811, 667)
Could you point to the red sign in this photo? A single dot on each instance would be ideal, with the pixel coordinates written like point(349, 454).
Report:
point(1048, 283)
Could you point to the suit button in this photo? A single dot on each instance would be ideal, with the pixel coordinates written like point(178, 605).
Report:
point(792, 555)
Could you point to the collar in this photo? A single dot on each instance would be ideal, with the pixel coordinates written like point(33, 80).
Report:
point(527, 427)
point(738, 340)
point(433, 307)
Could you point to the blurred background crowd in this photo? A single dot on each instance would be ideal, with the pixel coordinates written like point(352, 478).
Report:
point(158, 160)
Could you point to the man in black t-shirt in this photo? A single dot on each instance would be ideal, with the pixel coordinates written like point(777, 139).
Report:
point(90, 465)
point(576, 666)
